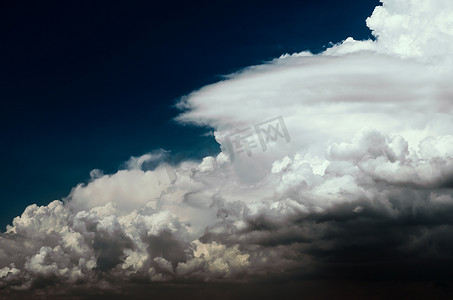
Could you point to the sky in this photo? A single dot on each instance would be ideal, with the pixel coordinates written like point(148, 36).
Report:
point(87, 85)
point(228, 150)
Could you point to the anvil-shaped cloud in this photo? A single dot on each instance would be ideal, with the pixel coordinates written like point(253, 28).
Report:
point(363, 189)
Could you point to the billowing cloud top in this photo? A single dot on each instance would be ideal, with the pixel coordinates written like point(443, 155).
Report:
point(356, 182)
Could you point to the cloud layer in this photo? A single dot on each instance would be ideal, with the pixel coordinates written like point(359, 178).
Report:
point(362, 190)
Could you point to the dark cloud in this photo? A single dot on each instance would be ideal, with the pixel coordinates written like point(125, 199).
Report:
point(109, 248)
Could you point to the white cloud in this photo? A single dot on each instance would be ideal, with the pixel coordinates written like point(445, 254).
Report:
point(414, 28)
point(371, 149)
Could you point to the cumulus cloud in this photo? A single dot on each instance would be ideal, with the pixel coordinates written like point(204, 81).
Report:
point(362, 189)
point(414, 28)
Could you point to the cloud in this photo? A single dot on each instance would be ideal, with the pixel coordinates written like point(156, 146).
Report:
point(414, 28)
point(360, 189)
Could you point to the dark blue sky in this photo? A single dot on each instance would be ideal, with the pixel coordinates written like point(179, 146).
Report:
point(87, 84)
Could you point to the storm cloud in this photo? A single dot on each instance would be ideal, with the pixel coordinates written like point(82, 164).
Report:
point(362, 189)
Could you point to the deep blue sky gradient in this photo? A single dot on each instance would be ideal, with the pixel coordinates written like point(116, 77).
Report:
point(87, 84)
